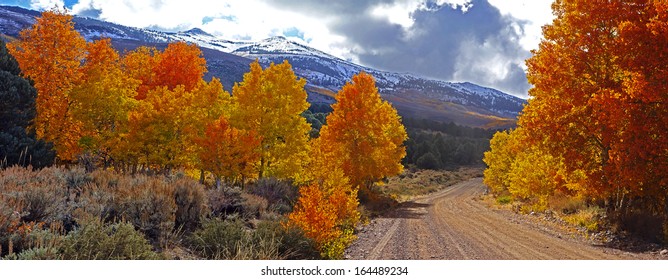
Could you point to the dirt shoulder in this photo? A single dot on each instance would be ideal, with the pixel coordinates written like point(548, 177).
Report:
point(455, 223)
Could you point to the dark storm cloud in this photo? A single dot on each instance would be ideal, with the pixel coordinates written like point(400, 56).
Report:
point(90, 12)
point(479, 45)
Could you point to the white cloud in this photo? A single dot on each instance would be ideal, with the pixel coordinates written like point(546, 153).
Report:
point(166, 14)
point(536, 12)
point(46, 4)
point(260, 19)
point(229, 19)
point(398, 12)
point(256, 20)
point(489, 64)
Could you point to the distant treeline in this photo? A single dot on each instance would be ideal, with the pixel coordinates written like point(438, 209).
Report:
point(437, 145)
point(431, 144)
point(449, 128)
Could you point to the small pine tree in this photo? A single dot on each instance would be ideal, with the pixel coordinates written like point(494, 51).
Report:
point(18, 144)
point(428, 161)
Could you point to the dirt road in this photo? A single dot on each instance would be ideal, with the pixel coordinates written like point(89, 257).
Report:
point(455, 224)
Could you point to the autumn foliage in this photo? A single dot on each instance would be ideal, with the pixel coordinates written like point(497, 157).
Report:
point(365, 132)
point(361, 144)
point(228, 152)
point(597, 123)
point(51, 54)
point(103, 99)
point(270, 101)
point(150, 111)
point(180, 64)
point(324, 218)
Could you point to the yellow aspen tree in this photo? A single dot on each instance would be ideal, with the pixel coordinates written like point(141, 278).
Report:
point(499, 160)
point(102, 101)
point(271, 102)
point(157, 129)
point(139, 65)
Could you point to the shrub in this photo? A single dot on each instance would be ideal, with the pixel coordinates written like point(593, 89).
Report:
point(218, 239)
point(37, 196)
point(190, 201)
point(39, 253)
point(253, 206)
point(154, 205)
point(32, 242)
point(292, 243)
point(280, 194)
point(29, 200)
point(150, 206)
point(588, 218)
point(96, 241)
point(504, 199)
point(231, 239)
point(99, 198)
point(566, 204)
point(225, 201)
point(428, 161)
point(35, 243)
point(40, 203)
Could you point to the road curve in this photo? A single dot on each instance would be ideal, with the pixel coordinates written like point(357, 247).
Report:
point(453, 224)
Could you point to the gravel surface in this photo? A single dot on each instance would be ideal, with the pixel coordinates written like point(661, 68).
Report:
point(456, 224)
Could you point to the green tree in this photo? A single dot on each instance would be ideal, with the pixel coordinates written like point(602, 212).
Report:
point(18, 143)
point(428, 161)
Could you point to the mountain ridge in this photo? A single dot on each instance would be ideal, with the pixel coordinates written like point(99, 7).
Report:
point(415, 97)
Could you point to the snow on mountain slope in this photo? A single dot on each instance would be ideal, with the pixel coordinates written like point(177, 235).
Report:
point(329, 72)
point(321, 70)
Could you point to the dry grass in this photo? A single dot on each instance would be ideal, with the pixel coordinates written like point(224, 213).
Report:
point(107, 215)
point(589, 218)
point(413, 183)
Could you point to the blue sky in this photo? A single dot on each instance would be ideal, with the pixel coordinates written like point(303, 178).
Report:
point(481, 41)
point(28, 3)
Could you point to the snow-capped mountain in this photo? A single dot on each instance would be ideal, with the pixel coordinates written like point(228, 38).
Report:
point(413, 96)
point(329, 72)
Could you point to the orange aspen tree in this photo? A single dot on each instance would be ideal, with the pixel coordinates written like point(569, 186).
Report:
point(50, 53)
point(139, 65)
point(228, 152)
point(599, 96)
point(179, 64)
point(365, 132)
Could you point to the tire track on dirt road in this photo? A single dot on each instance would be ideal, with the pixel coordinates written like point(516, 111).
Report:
point(454, 224)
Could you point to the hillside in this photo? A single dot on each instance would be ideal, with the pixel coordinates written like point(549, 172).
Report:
point(414, 97)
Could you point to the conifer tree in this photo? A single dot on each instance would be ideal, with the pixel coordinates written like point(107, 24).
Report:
point(18, 143)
